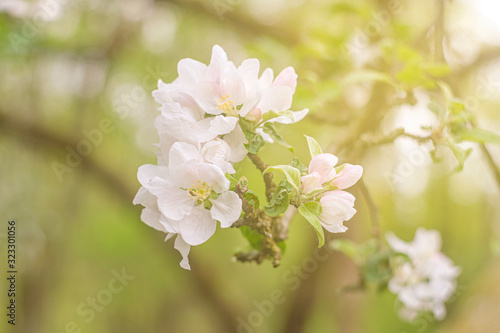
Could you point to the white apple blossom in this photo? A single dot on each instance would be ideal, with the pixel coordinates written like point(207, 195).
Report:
point(424, 279)
point(208, 101)
point(189, 195)
point(337, 206)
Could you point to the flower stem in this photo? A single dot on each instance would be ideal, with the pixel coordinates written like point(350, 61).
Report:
point(268, 177)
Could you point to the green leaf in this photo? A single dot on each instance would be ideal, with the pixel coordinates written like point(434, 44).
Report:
point(269, 115)
point(269, 129)
point(299, 166)
point(310, 211)
point(292, 175)
point(314, 147)
point(254, 238)
point(252, 199)
point(280, 199)
point(479, 135)
point(232, 181)
point(255, 142)
point(460, 154)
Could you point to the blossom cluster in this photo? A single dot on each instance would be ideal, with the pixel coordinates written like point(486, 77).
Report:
point(329, 182)
point(208, 115)
point(424, 278)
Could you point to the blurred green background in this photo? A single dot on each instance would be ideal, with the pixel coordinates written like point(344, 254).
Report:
point(68, 66)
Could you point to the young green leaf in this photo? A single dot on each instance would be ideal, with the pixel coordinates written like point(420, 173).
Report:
point(252, 199)
point(299, 166)
point(292, 175)
point(310, 211)
point(460, 154)
point(255, 142)
point(479, 135)
point(269, 129)
point(280, 199)
point(314, 147)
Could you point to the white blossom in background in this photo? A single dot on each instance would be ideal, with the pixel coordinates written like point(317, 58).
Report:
point(424, 279)
point(337, 206)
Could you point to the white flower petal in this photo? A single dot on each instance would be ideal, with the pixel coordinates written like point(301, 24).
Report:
point(296, 117)
point(217, 63)
point(226, 208)
point(266, 79)
point(173, 202)
point(222, 125)
point(213, 176)
point(249, 71)
point(191, 71)
point(197, 227)
point(218, 153)
point(236, 141)
point(151, 217)
point(181, 152)
point(184, 248)
point(276, 98)
point(336, 207)
point(147, 172)
point(232, 84)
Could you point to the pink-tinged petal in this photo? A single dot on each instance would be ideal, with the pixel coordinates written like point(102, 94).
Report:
point(181, 152)
point(190, 71)
point(231, 84)
point(348, 176)
point(266, 79)
point(217, 63)
point(276, 98)
point(202, 131)
point(236, 141)
point(184, 248)
point(151, 217)
point(249, 71)
point(296, 117)
point(213, 176)
point(221, 125)
point(311, 182)
point(173, 202)
point(226, 208)
point(324, 165)
point(197, 227)
point(288, 78)
point(336, 207)
point(162, 94)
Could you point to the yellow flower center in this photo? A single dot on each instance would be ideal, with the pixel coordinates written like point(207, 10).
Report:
point(199, 192)
point(227, 106)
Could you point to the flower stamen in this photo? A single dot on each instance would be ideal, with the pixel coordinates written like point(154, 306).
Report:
point(227, 107)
